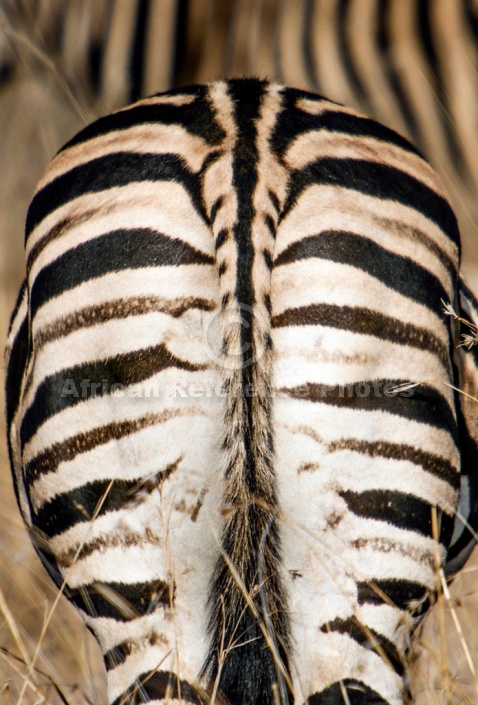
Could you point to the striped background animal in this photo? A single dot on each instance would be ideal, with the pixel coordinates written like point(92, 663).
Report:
point(225, 287)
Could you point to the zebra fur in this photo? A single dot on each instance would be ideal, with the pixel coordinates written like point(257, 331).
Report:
point(225, 287)
point(410, 65)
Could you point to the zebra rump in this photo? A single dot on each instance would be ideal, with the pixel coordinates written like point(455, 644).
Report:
point(233, 422)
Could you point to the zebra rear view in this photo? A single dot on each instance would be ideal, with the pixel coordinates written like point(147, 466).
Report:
point(233, 427)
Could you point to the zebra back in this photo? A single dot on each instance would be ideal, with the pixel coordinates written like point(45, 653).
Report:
point(233, 426)
point(410, 65)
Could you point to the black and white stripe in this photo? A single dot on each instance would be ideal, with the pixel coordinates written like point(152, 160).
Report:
point(225, 286)
point(411, 65)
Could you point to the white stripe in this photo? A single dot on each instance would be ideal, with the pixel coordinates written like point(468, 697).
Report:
point(16, 323)
point(307, 354)
point(318, 281)
point(100, 411)
point(144, 659)
point(185, 338)
point(323, 144)
point(163, 206)
point(328, 658)
point(389, 621)
point(147, 139)
point(324, 201)
point(137, 456)
point(294, 416)
point(150, 281)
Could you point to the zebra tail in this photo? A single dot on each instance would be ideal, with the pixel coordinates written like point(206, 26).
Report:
point(248, 624)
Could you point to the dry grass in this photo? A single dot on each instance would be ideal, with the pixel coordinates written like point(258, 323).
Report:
point(441, 670)
point(46, 653)
point(45, 656)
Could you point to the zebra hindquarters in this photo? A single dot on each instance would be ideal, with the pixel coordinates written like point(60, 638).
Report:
point(227, 290)
point(120, 418)
point(121, 455)
point(364, 468)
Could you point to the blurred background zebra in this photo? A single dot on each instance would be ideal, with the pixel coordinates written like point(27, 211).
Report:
point(410, 64)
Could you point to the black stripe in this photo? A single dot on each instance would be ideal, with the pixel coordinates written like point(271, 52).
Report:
point(357, 693)
point(274, 201)
point(422, 404)
point(268, 261)
point(270, 225)
point(138, 599)
point(467, 312)
point(82, 382)
point(122, 540)
point(247, 97)
point(222, 238)
point(430, 462)
point(83, 503)
point(404, 511)
point(356, 126)
point(63, 224)
point(14, 377)
point(197, 118)
point(158, 685)
point(18, 302)
point(368, 638)
point(112, 252)
point(469, 468)
point(293, 122)
point(414, 235)
point(117, 655)
point(395, 271)
point(215, 208)
point(118, 309)
point(112, 171)
point(378, 180)
point(16, 367)
point(364, 321)
point(401, 593)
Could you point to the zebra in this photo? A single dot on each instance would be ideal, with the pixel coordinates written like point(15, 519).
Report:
point(412, 65)
point(241, 427)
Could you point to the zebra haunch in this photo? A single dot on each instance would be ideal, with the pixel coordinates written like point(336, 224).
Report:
point(231, 417)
